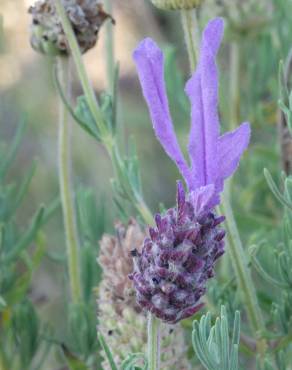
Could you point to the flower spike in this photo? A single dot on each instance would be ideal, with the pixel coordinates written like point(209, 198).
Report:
point(178, 258)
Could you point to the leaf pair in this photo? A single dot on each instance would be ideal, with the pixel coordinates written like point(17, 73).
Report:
point(212, 344)
point(130, 362)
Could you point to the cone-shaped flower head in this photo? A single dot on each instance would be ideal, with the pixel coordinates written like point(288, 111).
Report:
point(171, 273)
point(47, 35)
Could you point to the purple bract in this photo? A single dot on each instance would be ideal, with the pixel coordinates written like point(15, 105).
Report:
point(177, 260)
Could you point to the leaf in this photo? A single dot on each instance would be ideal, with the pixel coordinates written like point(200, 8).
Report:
point(212, 345)
point(261, 270)
point(81, 324)
point(275, 190)
point(107, 351)
point(13, 147)
point(23, 188)
point(81, 114)
point(130, 362)
point(73, 362)
point(27, 237)
point(84, 118)
point(106, 106)
point(3, 303)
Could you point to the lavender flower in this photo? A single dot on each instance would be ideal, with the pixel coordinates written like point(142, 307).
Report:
point(178, 258)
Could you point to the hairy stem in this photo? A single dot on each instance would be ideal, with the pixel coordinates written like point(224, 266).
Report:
point(234, 103)
point(236, 251)
point(108, 140)
point(191, 33)
point(109, 48)
point(65, 186)
point(77, 57)
point(241, 269)
point(233, 119)
point(153, 342)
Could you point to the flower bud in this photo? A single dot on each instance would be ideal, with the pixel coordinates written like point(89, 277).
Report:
point(177, 4)
point(47, 34)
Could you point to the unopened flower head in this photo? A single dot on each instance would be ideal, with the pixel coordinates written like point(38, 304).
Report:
point(177, 4)
point(178, 258)
point(47, 35)
point(120, 318)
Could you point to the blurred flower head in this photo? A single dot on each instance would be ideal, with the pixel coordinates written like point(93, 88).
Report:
point(116, 262)
point(47, 35)
point(171, 273)
point(177, 4)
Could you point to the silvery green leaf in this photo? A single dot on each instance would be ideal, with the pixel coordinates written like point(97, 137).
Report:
point(282, 199)
point(107, 351)
point(132, 360)
point(212, 344)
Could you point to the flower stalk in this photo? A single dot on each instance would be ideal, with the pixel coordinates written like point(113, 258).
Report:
point(109, 49)
point(241, 269)
point(153, 342)
point(234, 84)
point(191, 34)
point(86, 85)
point(65, 185)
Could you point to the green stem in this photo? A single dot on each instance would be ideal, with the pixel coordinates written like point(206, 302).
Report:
point(109, 48)
point(234, 102)
point(86, 85)
point(65, 186)
point(241, 269)
point(153, 342)
point(108, 140)
point(191, 33)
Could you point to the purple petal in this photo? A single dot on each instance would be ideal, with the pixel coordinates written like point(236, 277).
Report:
point(149, 62)
point(202, 90)
point(180, 194)
point(203, 198)
point(230, 149)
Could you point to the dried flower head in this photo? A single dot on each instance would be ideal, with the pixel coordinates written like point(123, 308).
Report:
point(120, 317)
point(177, 4)
point(116, 262)
point(47, 35)
point(172, 270)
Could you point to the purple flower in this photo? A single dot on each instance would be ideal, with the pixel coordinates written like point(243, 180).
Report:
point(171, 272)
